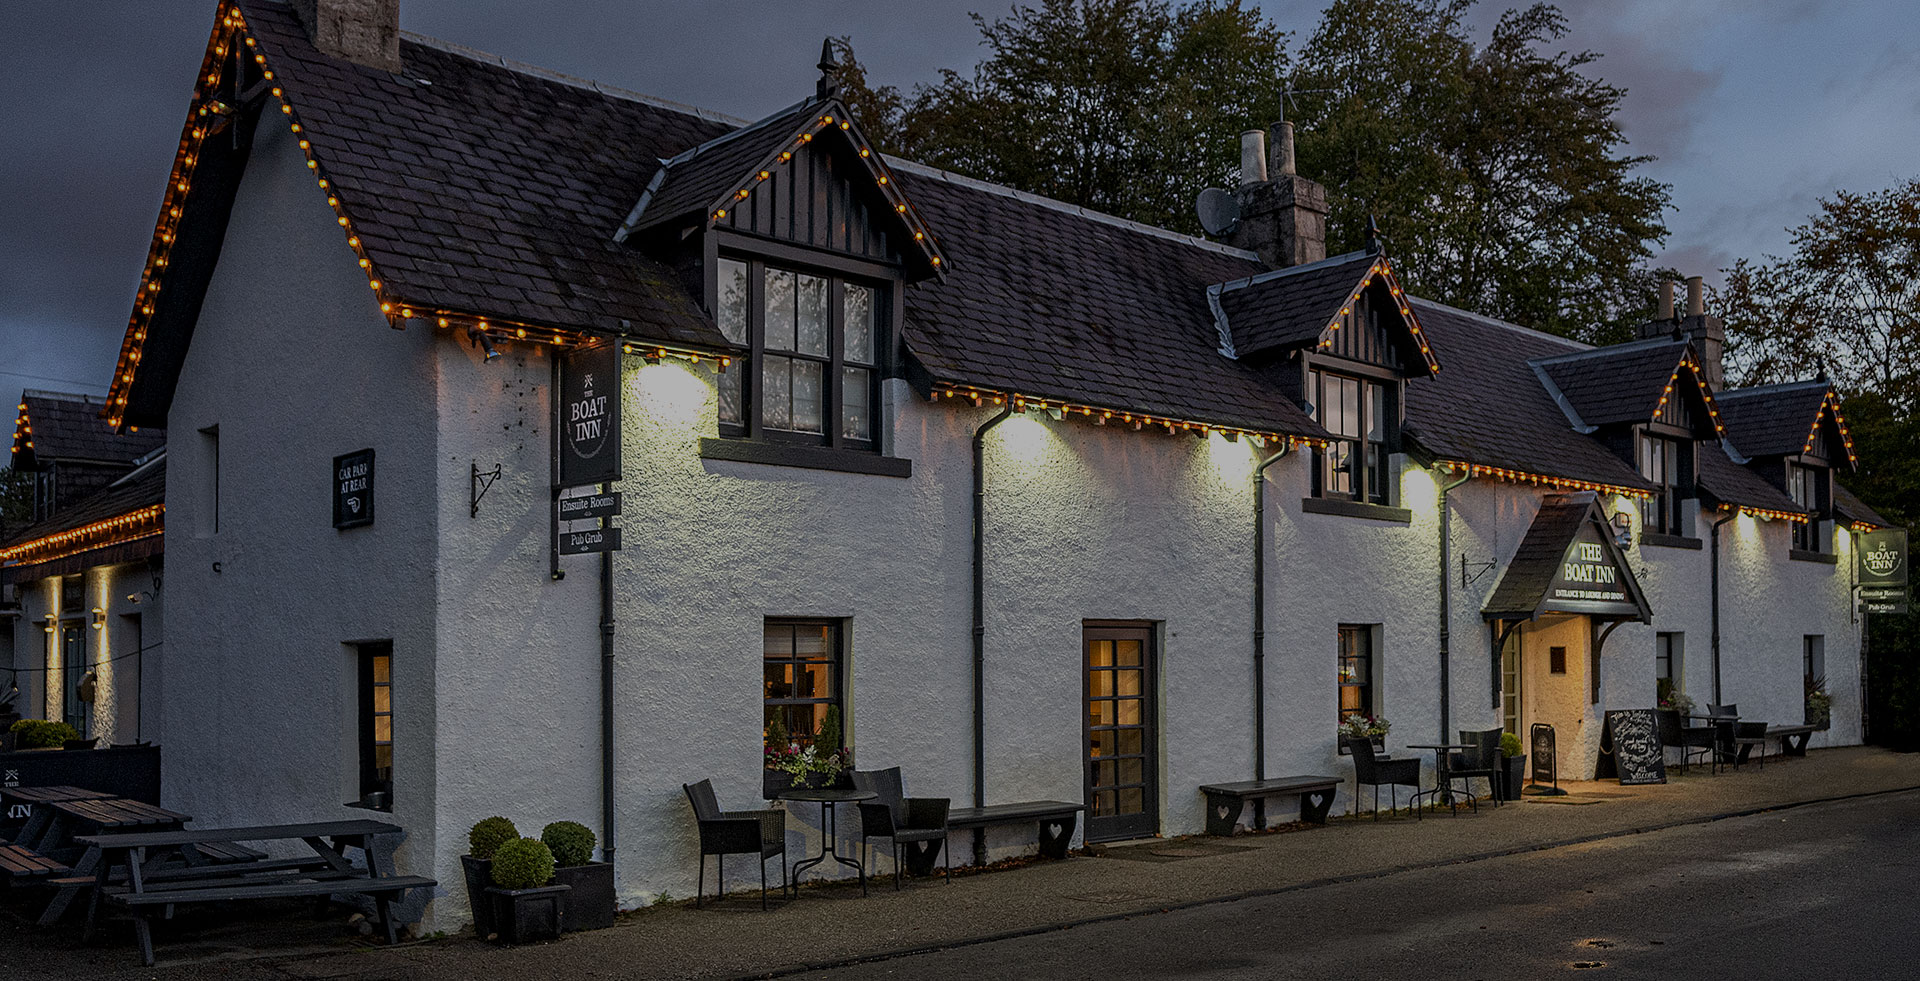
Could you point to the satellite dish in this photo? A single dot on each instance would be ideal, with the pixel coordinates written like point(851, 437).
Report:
point(1219, 212)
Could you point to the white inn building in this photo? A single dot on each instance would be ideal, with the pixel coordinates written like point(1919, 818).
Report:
point(1051, 505)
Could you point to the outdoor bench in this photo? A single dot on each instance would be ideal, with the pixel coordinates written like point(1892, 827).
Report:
point(1793, 739)
point(18, 862)
point(1225, 800)
point(1056, 820)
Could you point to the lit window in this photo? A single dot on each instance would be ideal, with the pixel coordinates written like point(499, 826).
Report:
point(1359, 414)
point(801, 682)
point(376, 720)
point(1660, 463)
point(813, 372)
point(1808, 488)
point(1356, 671)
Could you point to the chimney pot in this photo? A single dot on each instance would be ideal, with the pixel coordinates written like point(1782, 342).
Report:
point(1283, 135)
point(1666, 300)
point(1253, 157)
point(1696, 298)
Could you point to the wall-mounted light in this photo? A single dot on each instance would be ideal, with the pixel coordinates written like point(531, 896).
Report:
point(483, 342)
point(99, 618)
point(1623, 529)
point(52, 622)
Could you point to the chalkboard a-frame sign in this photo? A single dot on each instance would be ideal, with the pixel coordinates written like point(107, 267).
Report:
point(353, 489)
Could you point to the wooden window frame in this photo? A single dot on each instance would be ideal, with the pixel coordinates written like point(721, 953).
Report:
point(1370, 655)
point(1369, 488)
point(371, 779)
point(838, 273)
point(1660, 512)
point(1813, 482)
point(836, 659)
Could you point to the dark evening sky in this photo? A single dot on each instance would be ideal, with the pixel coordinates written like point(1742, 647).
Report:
point(1754, 109)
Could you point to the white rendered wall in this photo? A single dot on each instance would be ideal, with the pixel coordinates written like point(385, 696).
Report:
point(293, 362)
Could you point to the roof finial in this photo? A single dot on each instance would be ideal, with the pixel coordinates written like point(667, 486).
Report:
point(827, 87)
point(1822, 374)
point(1375, 244)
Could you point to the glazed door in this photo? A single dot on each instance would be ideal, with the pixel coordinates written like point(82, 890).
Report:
point(73, 667)
point(1121, 753)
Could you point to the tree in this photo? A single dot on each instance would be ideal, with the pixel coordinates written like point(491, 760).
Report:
point(16, 500)
point(1497, 171)
point(1126, 106)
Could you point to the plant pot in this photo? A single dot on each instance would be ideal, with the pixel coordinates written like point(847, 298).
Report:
point(590, 904)
point(479, 876)
point(524, 916)
point(1513, 775)
point(773, 782)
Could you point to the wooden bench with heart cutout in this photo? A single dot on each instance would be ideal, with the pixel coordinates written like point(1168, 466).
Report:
point(1225, 800)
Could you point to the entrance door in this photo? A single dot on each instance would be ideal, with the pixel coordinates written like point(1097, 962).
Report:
point(1121, 760)
point(73, 667)
point(1510, 675)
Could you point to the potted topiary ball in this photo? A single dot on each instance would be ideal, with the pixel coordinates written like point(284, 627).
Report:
point(485, 838)
point(590, 902)
point(1513, 766)
point(527, 906)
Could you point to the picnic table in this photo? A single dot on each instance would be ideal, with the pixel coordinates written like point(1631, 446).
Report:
point(61, 841)
point(36, 799)
point(165, 868)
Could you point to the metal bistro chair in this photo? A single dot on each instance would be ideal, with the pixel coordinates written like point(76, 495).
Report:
point(1483, 760)
point(1723, 718)
point(724, 833)
point(914, 822)
point(1691, 741)
point(1367, 769)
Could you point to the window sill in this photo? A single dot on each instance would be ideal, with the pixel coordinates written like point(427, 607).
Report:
point(1669, 541)
point(363, 805)
point(806, 457)
point(1356, 509)
point(1825, 558)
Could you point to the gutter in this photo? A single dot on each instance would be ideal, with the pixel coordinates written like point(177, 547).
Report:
point(1714, 535)
point(980, 624)
point(1446, 608)
point(1260, 622)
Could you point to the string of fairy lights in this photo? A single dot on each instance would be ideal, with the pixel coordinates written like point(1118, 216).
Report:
point(1666, 394)
point(1383, 271)
point(1108, 416)
point(132, 526)
point(1830, 402)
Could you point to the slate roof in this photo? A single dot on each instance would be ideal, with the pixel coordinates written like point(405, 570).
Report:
point(1772, 420)
point(1732, 483)
point(144, 487)
point(1049, 304)
point(1852, 508)
point(1488, 408)
point(66, 426)
point(1614, 384)
point(1290, 307)
point(492, 190)
point(695, 180)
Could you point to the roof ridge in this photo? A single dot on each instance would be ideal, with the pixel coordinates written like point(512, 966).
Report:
point(1644, 344)
point(47, 393)
point(1497, 322)
point(574, 81)
point(927, 170)
point(1273, 274)
point(1774, 388)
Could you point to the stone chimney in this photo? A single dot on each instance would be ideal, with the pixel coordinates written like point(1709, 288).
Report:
point(1283, 216)
point(1708, 334)
point(365, 32)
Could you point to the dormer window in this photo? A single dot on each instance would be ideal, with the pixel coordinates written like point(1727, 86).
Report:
point(815, 340)
point(1666, 462)
point(1360, 413)
point(1807, 485)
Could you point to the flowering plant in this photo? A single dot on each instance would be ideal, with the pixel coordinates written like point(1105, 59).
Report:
point(1678, 701)
point(1363, 727)
point(805, 765)
point(1819, 702)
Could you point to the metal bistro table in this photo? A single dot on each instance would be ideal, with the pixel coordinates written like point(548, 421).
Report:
point(827, 799)
point(1440, 751)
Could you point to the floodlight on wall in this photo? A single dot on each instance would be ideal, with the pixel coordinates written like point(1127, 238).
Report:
point(52, 622)
point(483, 342)
point(99, 618)
point(1623, 529)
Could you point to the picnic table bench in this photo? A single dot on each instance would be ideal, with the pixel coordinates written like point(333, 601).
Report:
point(159, 874)
point(1793, 739)
point(1056, 820)
point(35, 800)
point(1225, 800)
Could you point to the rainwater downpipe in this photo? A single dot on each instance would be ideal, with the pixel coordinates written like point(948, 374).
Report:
point(1446, 608)
point(1714, 536)
point(980, 624)
point(606, 702)
point(1260, 616)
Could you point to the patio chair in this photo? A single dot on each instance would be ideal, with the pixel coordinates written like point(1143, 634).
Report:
point(1691, 741)
point(724, 833)
point(1723, 718)
point(910, 822)
point(1367, 769)
point(1748, 736)
point(1483, 760)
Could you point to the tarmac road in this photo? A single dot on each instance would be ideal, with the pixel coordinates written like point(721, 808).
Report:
point(1823, 891)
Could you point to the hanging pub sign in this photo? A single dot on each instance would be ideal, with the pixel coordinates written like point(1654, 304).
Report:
point(1589, 580)
point(589, 415)
point(1882, 560)
point(353, 489)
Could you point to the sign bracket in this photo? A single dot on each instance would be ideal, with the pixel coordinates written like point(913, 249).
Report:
point(477, 487)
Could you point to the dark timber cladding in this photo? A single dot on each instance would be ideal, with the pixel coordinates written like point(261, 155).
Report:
point(808, 202)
